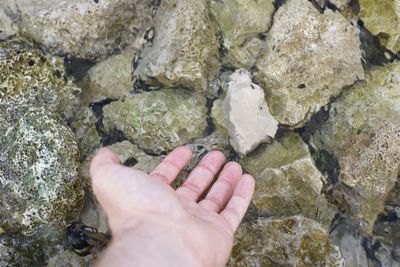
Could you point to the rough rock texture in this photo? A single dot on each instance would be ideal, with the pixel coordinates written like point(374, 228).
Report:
point(7, 25)
point(293, 241)
point(362, 109)
point(297, 70)
point(39, 181)
point(84, 29)
point(287, 181)
point(70, 259)
point(382, 18)
point(159, 120)
point(246, 113)
point(370, 165)
point(109, 79)
point(184, 50)
point(28, 78)
point(241, 21)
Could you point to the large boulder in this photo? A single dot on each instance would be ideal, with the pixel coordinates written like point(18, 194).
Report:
point(29, 78)
point(246, 116)
point(382, 18)
point(158, 121)
point(287, 180)
point(84, 29)
point(369, 167)
point(39, 183)
point(297, 70)
point(292, 241)
point(241, 22)
point(184, 49)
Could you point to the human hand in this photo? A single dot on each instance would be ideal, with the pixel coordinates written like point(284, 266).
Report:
point(154, 225)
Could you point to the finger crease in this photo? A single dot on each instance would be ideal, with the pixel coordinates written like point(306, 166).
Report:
point(192, 187)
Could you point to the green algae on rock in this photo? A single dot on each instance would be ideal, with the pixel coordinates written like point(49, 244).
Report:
point(158, 121)
point(287, 180)
point(362, 109)
point(382, 18)
point(29, 78)
point(39, 183)
point(184, 50)
point(297, 70)
point(370, 165)
point(292, 241)
point(241, 21)
point(83, 29)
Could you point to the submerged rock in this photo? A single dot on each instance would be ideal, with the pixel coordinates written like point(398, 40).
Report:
point(29, 78)
point(158, 121)
point(382, 18)
point(184, 49)
point(246, 113)
point(370, 166)
point(109, 79)
point(39, 183)
point(362, 109)
point(241, 21)
point(287, 180)
point(83, 29)
point(297, 70)
point(293, 241)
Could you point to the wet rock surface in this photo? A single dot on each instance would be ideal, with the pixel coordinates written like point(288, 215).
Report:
point(287, 180)
point(297, 69)
point(292, 241)
point(158, 121)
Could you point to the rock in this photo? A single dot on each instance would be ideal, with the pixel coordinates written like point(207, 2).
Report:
point(287, 180)
point(297, 69)
point(70, 259)
point(184, 49)
point(241, 21)
point(7, 26)
point(109, 79)
point(361, 109)
point(83, 29)
point(29, 78)
point(382, 18)
point(158, 121)
point(246, 113)
point(10, 257)
point(340, 4)
point(39, 183)
point(369, 169)
point(292, 241)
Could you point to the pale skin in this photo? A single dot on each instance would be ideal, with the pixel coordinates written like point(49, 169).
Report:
point(154, 225)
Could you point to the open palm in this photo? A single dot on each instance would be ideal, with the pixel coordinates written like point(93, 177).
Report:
point(131, 198)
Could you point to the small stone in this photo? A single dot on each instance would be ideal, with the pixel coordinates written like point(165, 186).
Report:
point(39, 183)
point(369, 169)
point(382, 18)
point(184, 51)
point(83, 29)
point(297, 69)
point(287, 180)
point(158, 121)
point(109, 79)
point(292, 241)
point(241, 21)
point(246, 113)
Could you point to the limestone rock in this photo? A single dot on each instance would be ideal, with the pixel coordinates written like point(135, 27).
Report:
point(297, 69)
point(241, 21)
point(362, 109)
point(109, 79)
point(287, 180)
point(369, 169)
point(382, 18)
point(292, 241)
point(83, 29)
point(29, 78)
point(246, 113)
point(7, 25)
point(184, 50)
point(159, 120)
point(39, 183)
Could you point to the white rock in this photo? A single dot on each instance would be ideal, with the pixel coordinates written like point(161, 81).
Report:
point(247, 116)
